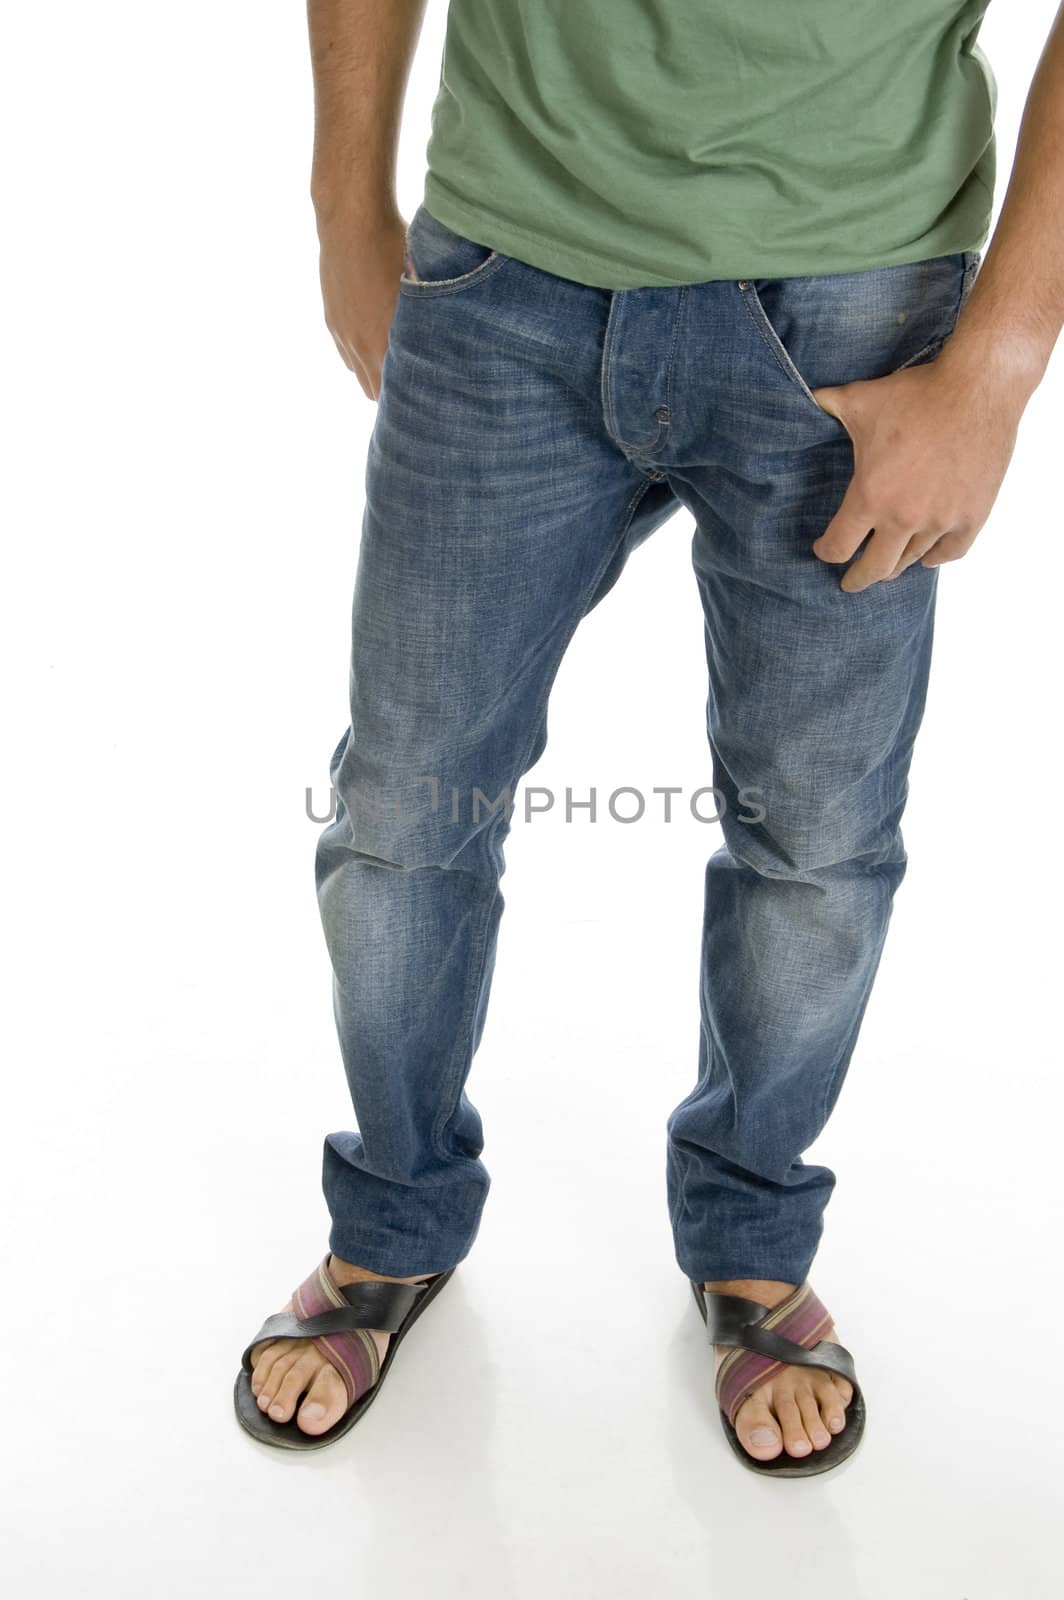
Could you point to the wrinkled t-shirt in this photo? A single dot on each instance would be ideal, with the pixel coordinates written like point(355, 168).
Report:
point(624, 143)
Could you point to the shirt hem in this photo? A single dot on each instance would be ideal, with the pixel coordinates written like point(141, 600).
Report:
point(538, 250)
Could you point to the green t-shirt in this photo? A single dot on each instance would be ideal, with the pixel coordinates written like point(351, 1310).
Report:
point(637, 142)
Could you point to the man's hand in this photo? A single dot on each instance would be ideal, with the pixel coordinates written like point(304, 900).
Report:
point(932, 443)
point(931, 448)
point(361, 262)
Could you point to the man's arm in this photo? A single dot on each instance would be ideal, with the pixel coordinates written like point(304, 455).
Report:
point(361, 51)
point(1016, 309)
point(932, 444)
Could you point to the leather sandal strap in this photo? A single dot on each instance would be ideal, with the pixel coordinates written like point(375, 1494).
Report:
point(790, 1334)
point(337, 1319)
point(728, 1315)
point(785, 1352)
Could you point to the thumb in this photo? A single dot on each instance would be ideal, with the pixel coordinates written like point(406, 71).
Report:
point(847, 530)
point(833, 399)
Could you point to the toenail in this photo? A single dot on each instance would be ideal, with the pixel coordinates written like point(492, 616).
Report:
point(762, 1436)
point(836, 1424)
point(277, 1411)
point(313, 1412)
point(801, 1445)
point(264, 1401)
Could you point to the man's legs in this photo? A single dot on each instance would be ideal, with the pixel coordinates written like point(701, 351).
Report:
point(494, 518)
point(498, 512)
point(815, 699)
point(500, 507)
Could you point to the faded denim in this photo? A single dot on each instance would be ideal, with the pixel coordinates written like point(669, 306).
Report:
point(531, 432)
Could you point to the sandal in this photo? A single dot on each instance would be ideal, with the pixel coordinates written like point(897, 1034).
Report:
point(334, 1317)
point(765, 1340)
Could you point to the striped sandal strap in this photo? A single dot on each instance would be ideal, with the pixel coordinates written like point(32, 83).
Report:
point(790, 1334)
point(337, 1319)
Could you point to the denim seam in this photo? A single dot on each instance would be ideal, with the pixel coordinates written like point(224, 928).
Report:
point(605, 387)
point(775, 346)
point(473, 991)
point(681, 306)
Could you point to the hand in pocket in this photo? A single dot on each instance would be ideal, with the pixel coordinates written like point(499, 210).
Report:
point(931, 445)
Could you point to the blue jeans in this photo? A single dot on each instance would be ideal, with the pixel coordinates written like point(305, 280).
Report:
point(531, 432)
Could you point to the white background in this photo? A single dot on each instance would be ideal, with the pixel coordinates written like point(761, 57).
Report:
point(183, 492)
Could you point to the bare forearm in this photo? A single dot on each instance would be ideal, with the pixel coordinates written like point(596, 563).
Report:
point(1014, 315)
point(361, 51)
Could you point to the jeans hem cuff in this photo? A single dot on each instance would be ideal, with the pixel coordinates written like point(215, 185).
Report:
point(776, 1272)
point(393, 1260)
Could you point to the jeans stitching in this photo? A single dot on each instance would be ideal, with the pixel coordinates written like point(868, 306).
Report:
point(681, 306)
point(774, 344)
point(605, 388)
point(426, 288)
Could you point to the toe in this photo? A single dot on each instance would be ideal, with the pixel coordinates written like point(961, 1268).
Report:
point(795, 1439)
point(296, 1379)
point(262, 1359)
point(831, 1405)
point(812, 1421)
point(274, 1378)
point(844, 1388)
point(325, 1403)
point(757, 1430)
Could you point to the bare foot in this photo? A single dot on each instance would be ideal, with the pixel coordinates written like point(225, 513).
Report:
point(285, 1369)
point(797, 1410)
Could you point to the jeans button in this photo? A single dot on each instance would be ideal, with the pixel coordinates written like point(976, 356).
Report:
point(662, 413)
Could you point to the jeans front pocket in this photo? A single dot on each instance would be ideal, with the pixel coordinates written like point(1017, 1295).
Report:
point(850, 326)
point(439, 261)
